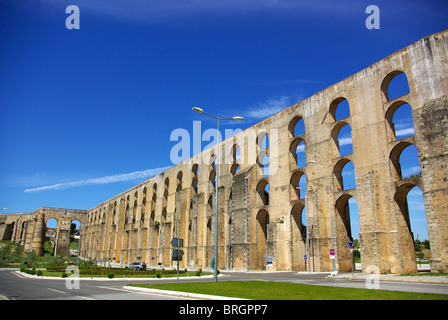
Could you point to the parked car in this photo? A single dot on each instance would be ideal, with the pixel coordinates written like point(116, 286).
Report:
point(136, 266)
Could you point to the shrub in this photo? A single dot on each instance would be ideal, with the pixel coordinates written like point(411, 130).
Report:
point(110, 275)
point(39, 273)
point(158, 275)
point(64, 275)
point(198, 273)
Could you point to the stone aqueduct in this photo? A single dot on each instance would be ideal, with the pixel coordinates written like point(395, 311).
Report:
point(261, 205)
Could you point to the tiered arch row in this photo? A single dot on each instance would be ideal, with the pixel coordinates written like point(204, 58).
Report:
point(293, 184)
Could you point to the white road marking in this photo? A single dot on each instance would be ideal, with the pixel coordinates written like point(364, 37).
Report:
point(56, 290)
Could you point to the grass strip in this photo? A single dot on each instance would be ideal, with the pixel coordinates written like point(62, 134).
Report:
point(264, 290)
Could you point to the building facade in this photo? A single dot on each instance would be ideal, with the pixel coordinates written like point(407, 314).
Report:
point(282, 190)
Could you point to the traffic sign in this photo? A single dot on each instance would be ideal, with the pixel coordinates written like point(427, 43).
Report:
point(177, 255)
point(351, 250)
point(305, 257)
point(332, 254)
point(268, 259)
point(350, 244)
point(177, 243)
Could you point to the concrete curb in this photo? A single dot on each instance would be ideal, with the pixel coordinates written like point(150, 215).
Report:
point(187, 295)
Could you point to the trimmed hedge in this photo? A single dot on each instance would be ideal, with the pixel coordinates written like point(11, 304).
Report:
point(121, 271)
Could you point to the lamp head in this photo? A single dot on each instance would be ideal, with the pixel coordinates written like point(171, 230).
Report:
point(198, 110)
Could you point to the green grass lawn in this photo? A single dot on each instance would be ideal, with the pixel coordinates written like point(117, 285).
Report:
point(263, 290)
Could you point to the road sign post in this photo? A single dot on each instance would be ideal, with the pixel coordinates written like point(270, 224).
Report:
point(177, 254)
point(351, 248)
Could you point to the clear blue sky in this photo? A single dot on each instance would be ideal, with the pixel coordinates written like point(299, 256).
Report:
point(86, 114)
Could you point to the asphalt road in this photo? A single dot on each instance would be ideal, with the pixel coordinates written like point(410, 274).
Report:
point(15, 286)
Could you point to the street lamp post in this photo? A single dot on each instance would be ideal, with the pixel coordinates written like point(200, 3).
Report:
point(330, 207)
point(215, 271)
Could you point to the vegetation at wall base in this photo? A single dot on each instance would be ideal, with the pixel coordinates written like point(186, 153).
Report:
point(264, 290)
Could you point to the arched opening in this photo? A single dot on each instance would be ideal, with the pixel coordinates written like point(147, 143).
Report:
point(344, 172)
point(262, 222)
point(395, 85)
point(298, 185)
point(194, 184)
point(297, 151)
point(195, 169)
point(263, 163)
point(347, 229)
point(412, 223)
point(339, 109)
point(297, 126)
point(263, 141)
point(298, 236)
point(345, 140)
point(236, 154)
point(404, 157)
point(263, 191)
point(180, 177)
point(409, 163)
point(234, 168)
point(51, 233)
point(212, 178)
point(399, 117)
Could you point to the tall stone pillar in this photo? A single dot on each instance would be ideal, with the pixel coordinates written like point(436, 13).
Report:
point(38, 235)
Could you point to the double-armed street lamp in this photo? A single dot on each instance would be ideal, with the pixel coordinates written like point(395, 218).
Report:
point(237, 118)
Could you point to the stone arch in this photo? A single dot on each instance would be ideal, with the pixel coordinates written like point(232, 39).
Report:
point(400, 120)
point(234, 168)
point(405, 169)
point(342, 136)
point(404, 225)
point(297, 185)
point(339, 109)
point(263, 163)
point(195, 169)
point(344, 171)
point(297, 152)
point(262, 140)
point(180, 178)
point(212, 178)
point(394, 85)
point(262, 222)
point(298, 236)
point(346, 216)
point(263, 191)
point(235, 154)
point(296, 126)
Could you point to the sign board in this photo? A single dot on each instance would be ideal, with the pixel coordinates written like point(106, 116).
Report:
point(268, 259)
point(177, 255)
point(351, 250)
point(350, 244)
point(332, 254)
point(305, 257)
point(177, 243)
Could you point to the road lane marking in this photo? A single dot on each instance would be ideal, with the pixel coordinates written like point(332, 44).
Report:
point(87, 298)
point(56, 290)
point(19, 275)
